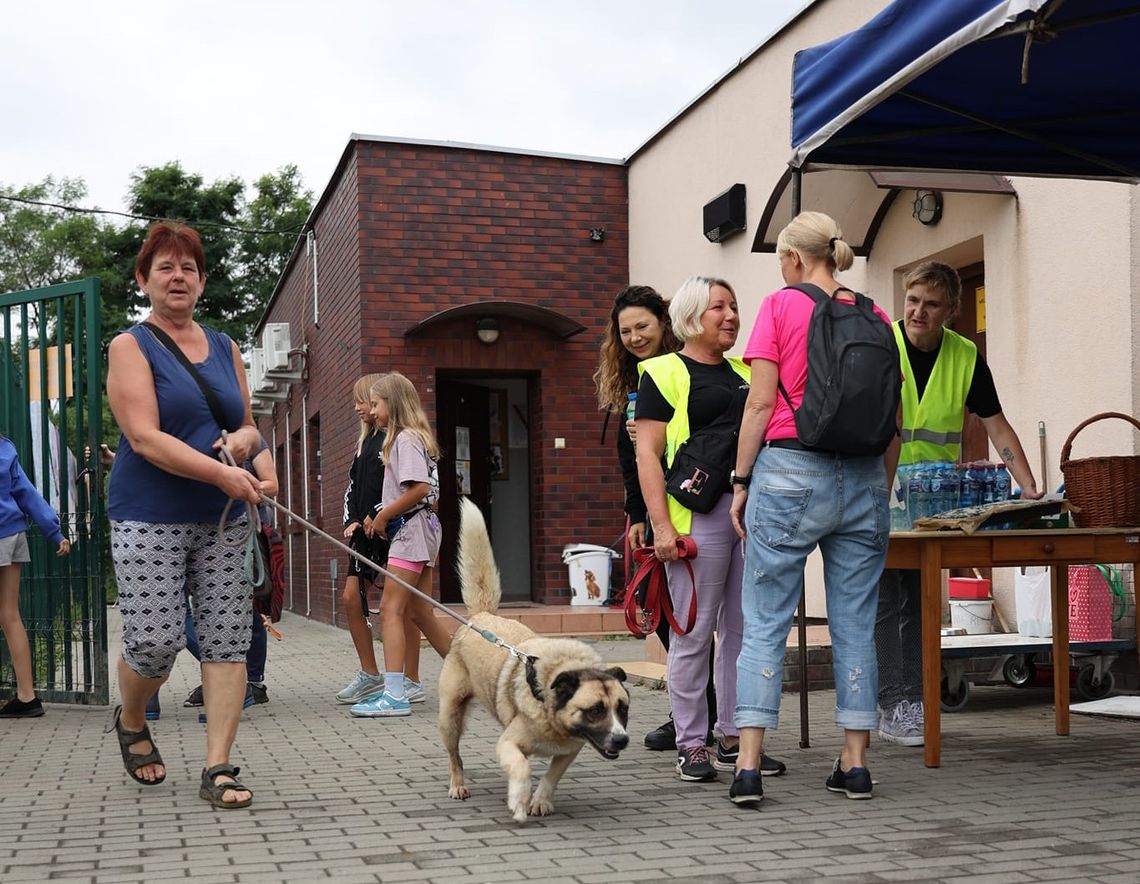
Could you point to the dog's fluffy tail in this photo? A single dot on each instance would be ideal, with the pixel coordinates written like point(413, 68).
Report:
point(478, 574)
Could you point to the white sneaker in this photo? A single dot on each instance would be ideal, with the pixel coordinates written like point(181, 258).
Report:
point(414, 691)
point(360, 688)
point(916, 721)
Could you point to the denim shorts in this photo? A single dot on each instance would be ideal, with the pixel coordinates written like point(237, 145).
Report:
point(799, 500)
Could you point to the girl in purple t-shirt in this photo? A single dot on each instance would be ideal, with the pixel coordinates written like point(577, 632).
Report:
point(408, 520)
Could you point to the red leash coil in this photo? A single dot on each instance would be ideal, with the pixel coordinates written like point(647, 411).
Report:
point(643, 620)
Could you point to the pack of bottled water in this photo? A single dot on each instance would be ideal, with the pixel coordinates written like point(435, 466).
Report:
point(930, 488)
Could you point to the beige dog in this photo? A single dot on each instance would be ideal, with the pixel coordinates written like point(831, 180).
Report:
point(550, 704)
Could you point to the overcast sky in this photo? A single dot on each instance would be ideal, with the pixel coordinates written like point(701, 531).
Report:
point(242, 87)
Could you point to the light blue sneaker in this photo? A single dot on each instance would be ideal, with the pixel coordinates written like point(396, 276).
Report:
point(360, 688)
point(414, 691)
point(382, 706)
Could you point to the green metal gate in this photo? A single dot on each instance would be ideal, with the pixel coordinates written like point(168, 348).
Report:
point(52, 409)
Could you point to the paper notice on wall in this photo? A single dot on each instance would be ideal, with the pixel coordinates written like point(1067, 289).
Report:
point(463, 443)
point(463, 476)
point(980, 302)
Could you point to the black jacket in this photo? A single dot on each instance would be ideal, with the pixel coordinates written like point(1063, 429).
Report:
point(627, 457)
point(365, 488)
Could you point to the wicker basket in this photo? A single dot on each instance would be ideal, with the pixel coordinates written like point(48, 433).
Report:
point(1107, 489)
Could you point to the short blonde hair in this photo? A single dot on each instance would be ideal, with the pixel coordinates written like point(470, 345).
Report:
point(690, 301)
point(817, 236)
point(943, 278)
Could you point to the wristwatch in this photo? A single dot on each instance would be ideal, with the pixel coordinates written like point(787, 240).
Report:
point(742, 481)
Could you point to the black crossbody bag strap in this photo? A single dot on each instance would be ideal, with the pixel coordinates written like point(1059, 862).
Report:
point(176, 351)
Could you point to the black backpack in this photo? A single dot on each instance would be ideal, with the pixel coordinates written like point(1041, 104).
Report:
point(851, 398)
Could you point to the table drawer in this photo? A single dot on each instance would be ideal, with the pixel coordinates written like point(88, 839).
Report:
point(1027, 550)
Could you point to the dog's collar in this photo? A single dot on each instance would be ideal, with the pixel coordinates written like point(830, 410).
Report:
point(532, 679)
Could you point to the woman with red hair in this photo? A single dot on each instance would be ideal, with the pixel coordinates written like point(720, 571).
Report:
point(167, 492)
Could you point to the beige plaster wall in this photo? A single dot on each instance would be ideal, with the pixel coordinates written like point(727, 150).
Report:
point(1063, 317)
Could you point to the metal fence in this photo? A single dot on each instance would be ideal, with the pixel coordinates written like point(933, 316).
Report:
point(51, 407)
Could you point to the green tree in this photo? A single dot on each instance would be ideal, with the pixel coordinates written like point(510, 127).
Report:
point(273, 220)
point(41, 245)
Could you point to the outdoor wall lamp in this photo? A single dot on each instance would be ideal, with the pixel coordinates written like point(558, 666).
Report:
point(927, 206)
point(487, 330)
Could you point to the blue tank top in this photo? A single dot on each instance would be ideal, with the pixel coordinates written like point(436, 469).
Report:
point(140, 491)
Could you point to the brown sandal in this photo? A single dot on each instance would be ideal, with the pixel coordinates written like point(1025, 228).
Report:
point(215, 792)
point(132, 761)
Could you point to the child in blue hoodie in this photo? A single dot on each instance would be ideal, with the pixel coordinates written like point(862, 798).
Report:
point(20, 500)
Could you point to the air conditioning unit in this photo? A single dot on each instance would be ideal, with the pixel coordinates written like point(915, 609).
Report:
point(258, 381)
point(276, 346)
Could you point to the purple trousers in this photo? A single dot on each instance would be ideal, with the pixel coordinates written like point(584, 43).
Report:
point(718, 570)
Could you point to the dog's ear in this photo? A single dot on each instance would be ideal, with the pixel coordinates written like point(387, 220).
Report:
point(617, 672)
point(564, 687)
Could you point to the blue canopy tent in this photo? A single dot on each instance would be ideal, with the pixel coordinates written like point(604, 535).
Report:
point(1010, 87)
point(994, 87)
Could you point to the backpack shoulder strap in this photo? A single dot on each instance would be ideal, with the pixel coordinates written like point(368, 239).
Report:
point(810, 289)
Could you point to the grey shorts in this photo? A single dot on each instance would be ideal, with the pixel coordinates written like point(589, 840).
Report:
point(14, 548)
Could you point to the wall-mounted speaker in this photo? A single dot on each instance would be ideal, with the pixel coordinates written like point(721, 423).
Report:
point(724, 215)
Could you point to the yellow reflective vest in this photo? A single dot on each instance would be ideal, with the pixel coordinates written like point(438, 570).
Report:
point(671, 376)
point(932, 426)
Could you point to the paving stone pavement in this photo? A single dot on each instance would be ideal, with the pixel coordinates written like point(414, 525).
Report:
point(366, 800)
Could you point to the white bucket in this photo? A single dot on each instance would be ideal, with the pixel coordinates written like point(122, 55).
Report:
point(589, 567)
point(976, 616)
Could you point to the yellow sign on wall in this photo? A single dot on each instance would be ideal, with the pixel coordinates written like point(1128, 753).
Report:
point(980, 305)
point(52, 373)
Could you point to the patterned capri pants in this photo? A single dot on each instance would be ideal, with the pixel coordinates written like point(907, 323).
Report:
point(156, 564)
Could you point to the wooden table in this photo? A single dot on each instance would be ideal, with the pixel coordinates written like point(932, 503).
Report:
point(932, 551)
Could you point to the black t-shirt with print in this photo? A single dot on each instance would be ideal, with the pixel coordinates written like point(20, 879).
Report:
point(711, 391)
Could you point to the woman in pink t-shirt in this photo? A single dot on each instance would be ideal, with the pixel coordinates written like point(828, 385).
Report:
point(787, 499)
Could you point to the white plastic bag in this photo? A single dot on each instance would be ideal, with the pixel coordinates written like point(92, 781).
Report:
point(1034, 605)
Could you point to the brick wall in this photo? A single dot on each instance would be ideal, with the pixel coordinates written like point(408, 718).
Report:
point(409, 230)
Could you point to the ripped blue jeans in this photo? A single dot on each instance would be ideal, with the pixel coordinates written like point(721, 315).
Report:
point(798, 500)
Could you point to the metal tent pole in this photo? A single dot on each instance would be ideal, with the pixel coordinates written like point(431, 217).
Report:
point(801, 614)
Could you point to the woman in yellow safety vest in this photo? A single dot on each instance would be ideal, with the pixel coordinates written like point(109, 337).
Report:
point(679, 394)
point(943, 374)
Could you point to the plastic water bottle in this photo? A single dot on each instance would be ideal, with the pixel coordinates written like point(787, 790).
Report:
point(972, 486)
point(937, 492)
point(951, 486)
point(900, 515)
point(919, 491)
point(631, 406)
point(988, 476)
point(1002, 483)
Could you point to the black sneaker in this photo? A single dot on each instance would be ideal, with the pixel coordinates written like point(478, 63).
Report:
point(771, 767)
point(17, 708)
point(726, 760)
point(746, 789)
point(260, 694)
point(694, 765)
point(854, 783)
point(194, 698)
point(725, 757)
point(663, 738)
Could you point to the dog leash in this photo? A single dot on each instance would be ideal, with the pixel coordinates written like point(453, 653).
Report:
point(528, 659)
point(651, 570)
